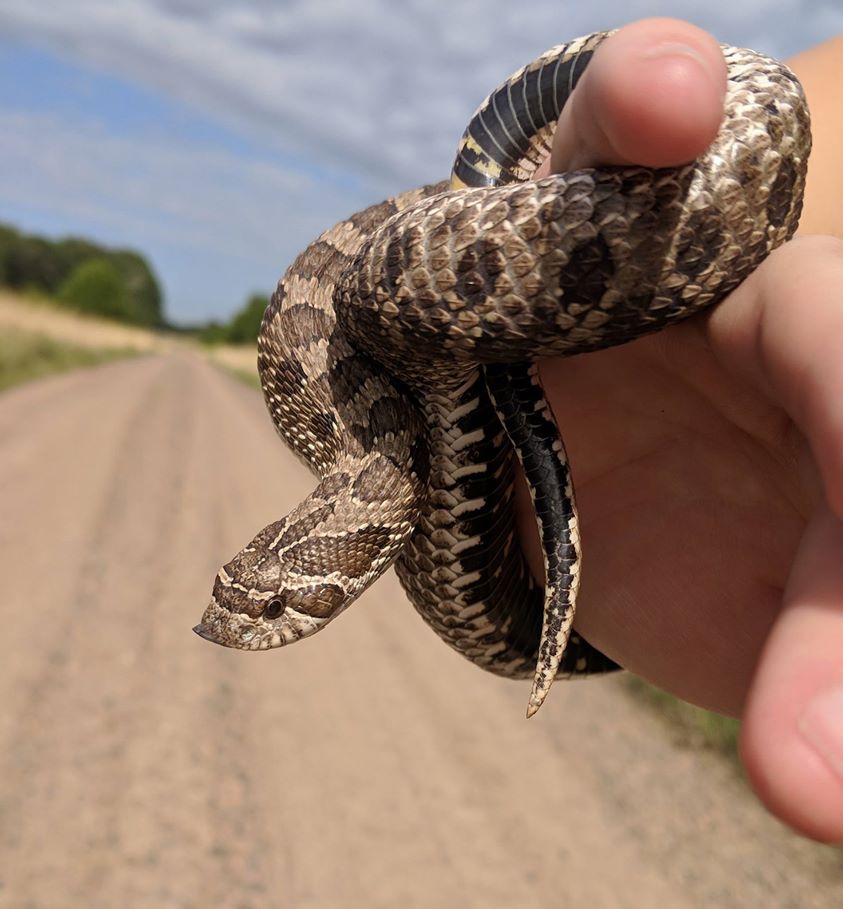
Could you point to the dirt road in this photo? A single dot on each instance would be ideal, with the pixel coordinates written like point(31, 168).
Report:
point(367, 767)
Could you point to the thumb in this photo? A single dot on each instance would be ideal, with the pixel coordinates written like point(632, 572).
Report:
point(652, 95)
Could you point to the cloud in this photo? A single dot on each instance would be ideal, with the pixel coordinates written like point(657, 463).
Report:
point(350, 101)
point(176, 201)
point(375, 88)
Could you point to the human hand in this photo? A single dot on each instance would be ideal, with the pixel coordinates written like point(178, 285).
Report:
point(708, 459)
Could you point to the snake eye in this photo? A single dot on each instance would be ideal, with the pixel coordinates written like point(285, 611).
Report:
point(274, 608)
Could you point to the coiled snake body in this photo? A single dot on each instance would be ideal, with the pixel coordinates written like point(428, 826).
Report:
point(397, 358)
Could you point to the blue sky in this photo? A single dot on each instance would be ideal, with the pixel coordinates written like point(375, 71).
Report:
point(219, 138)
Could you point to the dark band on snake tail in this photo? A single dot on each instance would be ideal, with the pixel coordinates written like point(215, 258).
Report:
point(510, 133)
point(521, 405)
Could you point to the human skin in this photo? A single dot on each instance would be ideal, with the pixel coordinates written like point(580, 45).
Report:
point(708, 459)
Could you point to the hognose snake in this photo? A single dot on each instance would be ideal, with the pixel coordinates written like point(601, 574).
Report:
point(397, 358)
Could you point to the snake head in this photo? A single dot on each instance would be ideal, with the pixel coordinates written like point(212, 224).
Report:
point(256, 605)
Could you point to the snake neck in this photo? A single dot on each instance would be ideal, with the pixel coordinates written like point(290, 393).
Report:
point(300, 573)
point(356, 427)
point(351, 528)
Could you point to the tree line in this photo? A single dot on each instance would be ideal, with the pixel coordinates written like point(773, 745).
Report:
point(241, 328)
point(82, 275)
point(114, 283)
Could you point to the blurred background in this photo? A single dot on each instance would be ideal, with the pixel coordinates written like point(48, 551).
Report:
point(161, 163)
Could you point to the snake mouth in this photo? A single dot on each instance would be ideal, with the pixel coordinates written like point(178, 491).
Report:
point(205, 631)
point(215, 626)
point(233, 629)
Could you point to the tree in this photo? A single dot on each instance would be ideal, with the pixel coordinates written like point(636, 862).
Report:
point(246, 322)
point(142, 290)
point(95, 286)
point(8, 240)
point(28, 261)
point(31, 262)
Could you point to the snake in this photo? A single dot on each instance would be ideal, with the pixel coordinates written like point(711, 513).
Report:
point(399, 358)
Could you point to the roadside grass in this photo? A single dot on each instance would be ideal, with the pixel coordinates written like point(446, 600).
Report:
point(238, 360)
point(28, 355)
point(689, 725)
point(247, 377)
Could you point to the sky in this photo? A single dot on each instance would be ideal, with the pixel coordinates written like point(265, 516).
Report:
point(219, 137)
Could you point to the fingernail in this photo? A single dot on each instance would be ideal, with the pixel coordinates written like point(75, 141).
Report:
point(674, 49)
point(821, 725)
point(677, 49)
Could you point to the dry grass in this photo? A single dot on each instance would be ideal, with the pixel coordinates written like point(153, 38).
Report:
point(39, 317)
point(27, 355)
point(241, 360)
point(76, 334)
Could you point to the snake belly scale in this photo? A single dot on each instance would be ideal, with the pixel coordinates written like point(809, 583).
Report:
point(398, 360)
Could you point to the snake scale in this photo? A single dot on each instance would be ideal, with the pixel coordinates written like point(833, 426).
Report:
point(398, 359)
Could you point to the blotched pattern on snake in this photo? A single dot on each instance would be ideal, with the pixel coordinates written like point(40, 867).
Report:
point(397, 358)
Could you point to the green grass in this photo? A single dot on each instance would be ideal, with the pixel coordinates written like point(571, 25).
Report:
point(25, 356)
point(690, 725)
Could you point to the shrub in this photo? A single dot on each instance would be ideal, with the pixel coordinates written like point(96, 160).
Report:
point(95, 287)
point(29, 262)
point(246, 322)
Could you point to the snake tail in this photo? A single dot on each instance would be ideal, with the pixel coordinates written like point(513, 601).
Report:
point(525, 414)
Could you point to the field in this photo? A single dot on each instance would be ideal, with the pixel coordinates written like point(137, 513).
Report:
point(37, 338)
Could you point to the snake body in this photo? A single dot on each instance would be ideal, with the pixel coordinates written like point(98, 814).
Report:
point(397, 358)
